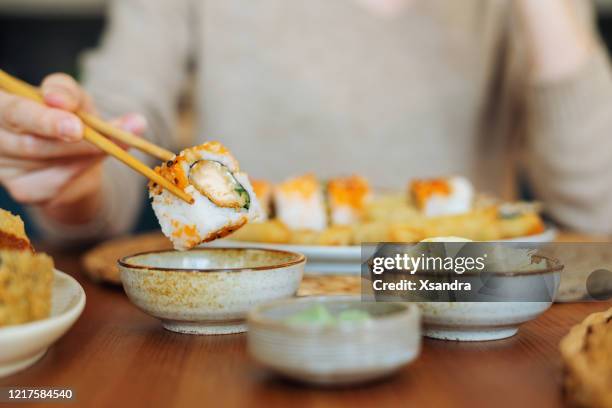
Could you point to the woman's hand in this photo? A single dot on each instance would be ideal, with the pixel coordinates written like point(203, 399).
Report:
point(43, 159)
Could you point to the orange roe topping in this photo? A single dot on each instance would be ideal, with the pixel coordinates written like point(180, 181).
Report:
point(306, 186)
point(190, 230)
point(536, 229)
point(213, 147)
point(173, 173)
point(422, 190)
point(261, 188)
point(195, 153)
point(350, 191)
point(184, 230)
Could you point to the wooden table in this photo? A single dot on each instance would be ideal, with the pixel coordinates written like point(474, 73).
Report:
point(116, 355)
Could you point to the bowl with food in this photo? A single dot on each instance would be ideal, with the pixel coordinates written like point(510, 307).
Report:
point(334, 340)
point(209, 290)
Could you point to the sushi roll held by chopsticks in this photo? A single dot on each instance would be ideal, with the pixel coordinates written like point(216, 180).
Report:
point(299, 203)
point(347, 199)
point(223, 197)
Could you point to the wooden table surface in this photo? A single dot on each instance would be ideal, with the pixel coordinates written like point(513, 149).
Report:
point(115, 355)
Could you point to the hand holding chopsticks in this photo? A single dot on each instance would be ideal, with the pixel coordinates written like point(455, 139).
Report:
point(94, 131)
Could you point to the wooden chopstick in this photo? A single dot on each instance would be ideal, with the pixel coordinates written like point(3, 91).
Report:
point(126, 137)
point(18, 87)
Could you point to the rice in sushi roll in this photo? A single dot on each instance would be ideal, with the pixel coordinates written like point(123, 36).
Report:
point(299, 203)
point(223, 197)
point(443, 196)
point(347, 199)
point(263, 192)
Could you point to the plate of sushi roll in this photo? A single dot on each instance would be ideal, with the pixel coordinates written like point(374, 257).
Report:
point(328, 221)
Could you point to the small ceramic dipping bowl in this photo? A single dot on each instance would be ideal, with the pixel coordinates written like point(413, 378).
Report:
point(478, 321)
point(493, 311)
point(209, 290)
point(334, 354)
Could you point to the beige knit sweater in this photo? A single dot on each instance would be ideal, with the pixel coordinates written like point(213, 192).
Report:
point(292, 86)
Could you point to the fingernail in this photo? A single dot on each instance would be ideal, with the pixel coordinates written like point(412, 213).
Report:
point(54, 99)
point(70, 129)
point(134, 123)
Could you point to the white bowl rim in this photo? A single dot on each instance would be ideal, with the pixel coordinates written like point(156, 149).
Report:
point(66, 315)
point(256, 315)
point(299, 258)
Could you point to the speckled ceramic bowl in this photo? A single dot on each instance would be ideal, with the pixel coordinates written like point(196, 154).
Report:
point(337, 354)
point(474, 320)
point(209, 290)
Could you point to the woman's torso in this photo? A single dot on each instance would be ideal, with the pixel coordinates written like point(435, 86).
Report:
point(330, 87)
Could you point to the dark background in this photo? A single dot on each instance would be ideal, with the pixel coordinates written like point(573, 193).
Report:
point(33, 45)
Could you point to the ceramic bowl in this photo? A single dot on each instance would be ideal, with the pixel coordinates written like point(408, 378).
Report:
point(480, 320)
point(338, 354)
point(209, 290)
point(24, 344)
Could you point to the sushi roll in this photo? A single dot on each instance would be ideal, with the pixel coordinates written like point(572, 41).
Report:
point(442, 196)
point(223, 197)
point(299, 203)
point(347, 198)
point(263, 192)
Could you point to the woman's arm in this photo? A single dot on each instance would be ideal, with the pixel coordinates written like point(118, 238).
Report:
point(569, 112)
point(558, 42)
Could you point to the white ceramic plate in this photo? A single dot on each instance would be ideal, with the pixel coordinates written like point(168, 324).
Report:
point(24, 344)
point(346, 259)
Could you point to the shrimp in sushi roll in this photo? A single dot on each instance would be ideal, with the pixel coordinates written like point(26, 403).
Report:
point(299, 203)
point(223, 197)
point(347, 199)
